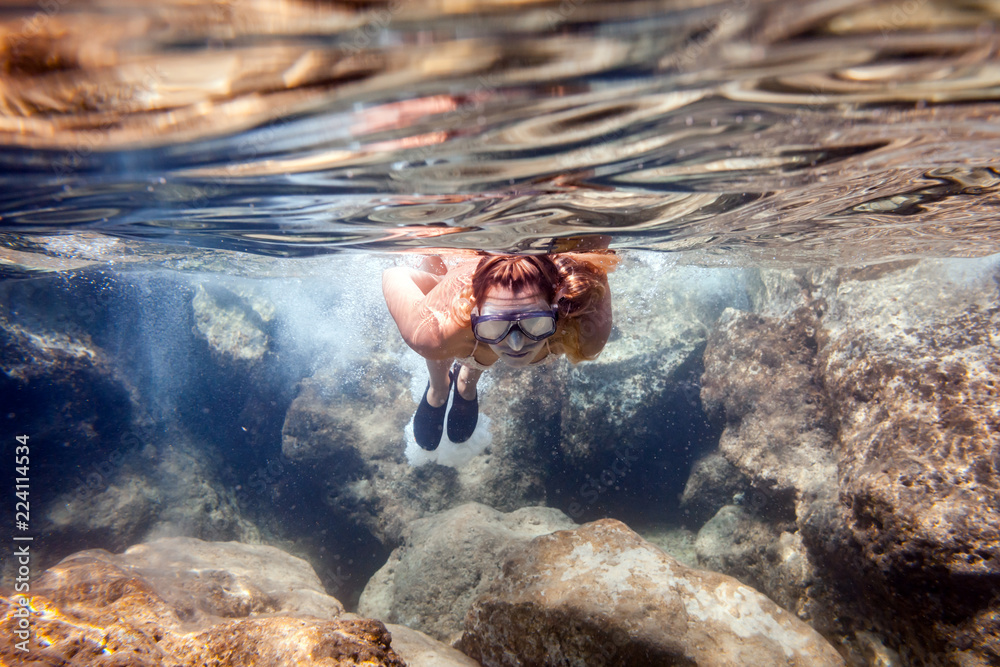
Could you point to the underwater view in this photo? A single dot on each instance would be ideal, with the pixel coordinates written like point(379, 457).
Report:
point(449, 333)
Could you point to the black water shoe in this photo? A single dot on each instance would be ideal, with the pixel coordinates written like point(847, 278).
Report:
point(464, 415)
point(428, 423)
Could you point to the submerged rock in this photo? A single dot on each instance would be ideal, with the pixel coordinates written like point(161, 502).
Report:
point(232, 323)
point(760, 381)
point(182, 601)
point(59, 385)
point(446, 561)
point(911, 366)
point(761, 553)
point(345, 428)
point(228, 579)
point(862, 405)
point(152, 490)
point(601, 595)
point(622, 430)
point(714, 482)
point(421, 650)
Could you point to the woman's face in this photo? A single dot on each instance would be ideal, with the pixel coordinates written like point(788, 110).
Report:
point(516, 349)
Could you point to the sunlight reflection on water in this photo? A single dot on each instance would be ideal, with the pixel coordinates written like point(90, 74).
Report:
point(732, 132)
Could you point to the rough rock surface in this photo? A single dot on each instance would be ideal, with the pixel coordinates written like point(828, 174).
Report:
point(863, 404)
point(601, 595)
point(232, 322)
point(58, 384)
point(421, 650)
point(621, 430)
point(714, 482)
point(446, 561)
point(144, 493)
point(912, 366)
point(761, 553)
point(345, 426)
point(760, 381)
point(227, 579)
point(182, 601)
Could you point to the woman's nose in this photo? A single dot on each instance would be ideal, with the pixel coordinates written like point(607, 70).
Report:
point(515, 340)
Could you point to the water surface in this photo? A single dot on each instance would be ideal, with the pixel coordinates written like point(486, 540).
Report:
point(733, 132)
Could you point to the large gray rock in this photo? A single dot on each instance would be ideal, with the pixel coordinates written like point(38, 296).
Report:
point(714, 482)
point(601, 595)
point(862, 404)
point(346, 428)
point(446, 561)
point(761, 553)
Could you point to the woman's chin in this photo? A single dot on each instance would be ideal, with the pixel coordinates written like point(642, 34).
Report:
point(521, 359)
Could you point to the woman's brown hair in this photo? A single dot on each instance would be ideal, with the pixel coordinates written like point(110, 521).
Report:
point(574, 282)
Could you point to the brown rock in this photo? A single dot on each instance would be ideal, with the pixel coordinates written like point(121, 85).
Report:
point(446, 561)
point(601, 595)
point(761, 553)
point(187, 602)
point(862, 405)
point(761, 380)
point(911, 366)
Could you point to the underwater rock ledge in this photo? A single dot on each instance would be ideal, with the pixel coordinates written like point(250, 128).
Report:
point(183, 601)
point(861, 408)
point(601, 595)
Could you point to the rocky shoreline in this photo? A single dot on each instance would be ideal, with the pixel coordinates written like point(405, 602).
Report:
point(828, 439)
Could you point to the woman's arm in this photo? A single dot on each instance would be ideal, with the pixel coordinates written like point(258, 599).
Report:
point(421, 305)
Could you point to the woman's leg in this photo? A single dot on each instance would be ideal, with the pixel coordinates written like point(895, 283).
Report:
point(428, 420)
point(464, 414)
point(437, 395)
point(468, 380)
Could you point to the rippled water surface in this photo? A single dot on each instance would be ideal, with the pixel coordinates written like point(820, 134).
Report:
point(737, 132)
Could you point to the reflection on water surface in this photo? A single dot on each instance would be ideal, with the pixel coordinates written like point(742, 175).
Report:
point(736, 132)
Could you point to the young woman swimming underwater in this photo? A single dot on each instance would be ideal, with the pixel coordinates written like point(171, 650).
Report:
point(520, 309)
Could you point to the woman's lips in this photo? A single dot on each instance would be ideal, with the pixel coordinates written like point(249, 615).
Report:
point(516, 354)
